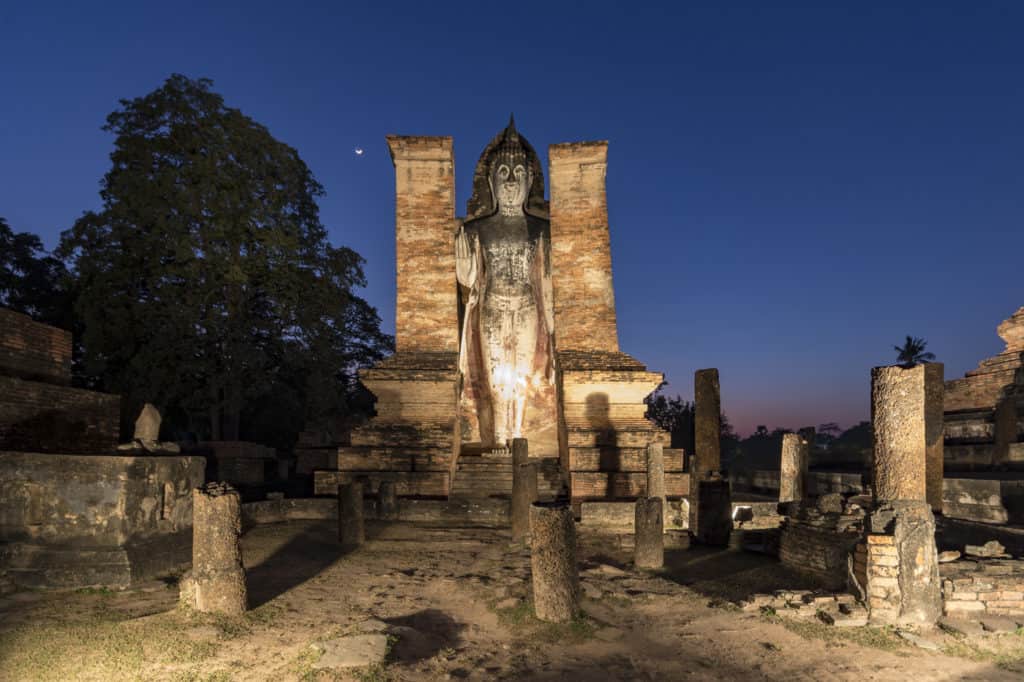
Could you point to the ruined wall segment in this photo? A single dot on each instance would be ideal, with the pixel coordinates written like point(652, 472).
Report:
point(426, 314)
point(581, 258)
point(31, 350)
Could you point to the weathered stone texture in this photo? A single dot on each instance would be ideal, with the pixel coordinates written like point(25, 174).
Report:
point(34, 351)
point(714, 515)
point(898, 419)
point(649, 529)
point(41, 417)
point(656, 471)
point(147, 425)
point(934, 390)
point(524, 494)
point(902, 564)
point(556, 580)
point(71, 521)
point(217, 582)
point(581, 260)
point(792, 467)
point(707, 420)
point(351, 531)
point(974, 588)
point(427, 307)
point(387, 501)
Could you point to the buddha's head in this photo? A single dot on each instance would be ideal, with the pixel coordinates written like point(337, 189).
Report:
point(510, 173)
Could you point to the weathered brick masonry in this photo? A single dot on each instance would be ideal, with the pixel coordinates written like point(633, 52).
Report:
point(973, 588)
point(35, 351)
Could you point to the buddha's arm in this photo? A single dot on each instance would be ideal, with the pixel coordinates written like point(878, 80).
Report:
point(465, 259)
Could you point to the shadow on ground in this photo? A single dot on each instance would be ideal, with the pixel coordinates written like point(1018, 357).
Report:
point(732, 575)
point(304, 556)
point(422, 635)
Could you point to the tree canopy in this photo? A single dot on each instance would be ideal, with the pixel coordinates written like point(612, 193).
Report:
point(31, 280)
point(206, 284)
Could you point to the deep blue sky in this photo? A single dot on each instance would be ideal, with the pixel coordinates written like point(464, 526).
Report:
point(792, 190)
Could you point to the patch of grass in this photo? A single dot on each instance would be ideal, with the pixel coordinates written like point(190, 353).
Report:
point(302, 666)
point(104, 645)
point(884, 638)
point(377, 672)
point(1007, 651)
point(521, 620)
point(101, 591)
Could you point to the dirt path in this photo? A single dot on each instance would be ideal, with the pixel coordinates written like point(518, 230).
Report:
point(453, 600)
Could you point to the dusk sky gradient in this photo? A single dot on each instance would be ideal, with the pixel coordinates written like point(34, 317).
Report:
point(792, 190)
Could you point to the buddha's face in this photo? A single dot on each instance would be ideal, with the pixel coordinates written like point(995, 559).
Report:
point(510, 181)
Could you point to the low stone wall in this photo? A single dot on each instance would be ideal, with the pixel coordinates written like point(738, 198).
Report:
point(821, 553)
point(35, 351)
point(974, 588)
point(483, 512)
point(75, 520)
point(42, 417)
point(766, 482)
point(988, 501)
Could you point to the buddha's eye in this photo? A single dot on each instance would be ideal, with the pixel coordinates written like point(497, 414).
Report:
point(503, 172)
point(520, 172)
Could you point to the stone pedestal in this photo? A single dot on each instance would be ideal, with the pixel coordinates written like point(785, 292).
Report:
point(556, 583)
point(793, 467)
point(714, 513)
point(217, 582)
point(524, 494)
point(649, 530)
point(387, 501)
point(902, 568)
point(350, 515)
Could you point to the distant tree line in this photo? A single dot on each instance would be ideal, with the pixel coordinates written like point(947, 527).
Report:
point(762, 449)
point(206, 283)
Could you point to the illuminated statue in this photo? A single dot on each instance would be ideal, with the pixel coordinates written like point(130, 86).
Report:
point(502, 256)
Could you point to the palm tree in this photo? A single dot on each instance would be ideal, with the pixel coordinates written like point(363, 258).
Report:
point(913, 353)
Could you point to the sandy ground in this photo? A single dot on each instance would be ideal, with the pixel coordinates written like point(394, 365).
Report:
point(455, 601)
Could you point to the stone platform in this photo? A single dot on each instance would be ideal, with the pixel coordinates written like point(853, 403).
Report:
point(78, 520)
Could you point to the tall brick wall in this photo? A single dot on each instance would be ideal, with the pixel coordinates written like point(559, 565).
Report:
point(32, 350)
point(426, 316)
point(581, 259)
point(982, 388)
point(40, 417)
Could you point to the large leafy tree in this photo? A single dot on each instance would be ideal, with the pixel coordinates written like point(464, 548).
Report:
point(206, 283)
point(31, 280)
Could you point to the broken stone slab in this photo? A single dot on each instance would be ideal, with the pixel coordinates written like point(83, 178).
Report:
point(961, 626)
point(355, 651)
point(992, 549)
point(946, 557)
point(999, 624)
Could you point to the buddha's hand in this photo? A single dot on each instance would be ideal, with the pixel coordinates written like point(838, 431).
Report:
point(465, 262)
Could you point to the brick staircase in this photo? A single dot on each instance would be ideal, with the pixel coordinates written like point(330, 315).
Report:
point(482, 475)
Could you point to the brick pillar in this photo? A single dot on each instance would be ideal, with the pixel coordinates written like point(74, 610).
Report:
point(426, 314)
point(581, 259)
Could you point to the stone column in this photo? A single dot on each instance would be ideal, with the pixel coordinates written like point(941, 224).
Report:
point(387, 501)
point(792, 468)
point(556, 580)
point(649, 533)
point(218, 576)
point(898, 420)
point(524, 494)
point(707, 420)
point(581, 258)
point(350, 514)
point(656, 471)
point(935, 433)
point(426, 311)
point(902, 569)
